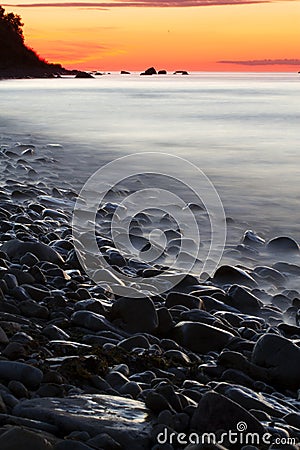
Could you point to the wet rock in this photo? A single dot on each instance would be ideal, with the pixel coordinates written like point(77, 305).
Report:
point(16, 249)
point(177, 298)
point(32, 309)
point(243, 300)
point(252, 239)
point(92, 321)
point(135, 315)
point(3, 337)
point(199, 337)
point(281, 358)
point(17, 438)
point(83, 75)
point(30, 376)
point(181, 72)
point(150, 71)
point(216, 412)
point(233, 275)
point(125, 420)
point(283, 244)
point(18, 389)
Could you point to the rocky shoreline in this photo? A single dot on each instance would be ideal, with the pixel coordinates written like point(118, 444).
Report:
point(82, 368)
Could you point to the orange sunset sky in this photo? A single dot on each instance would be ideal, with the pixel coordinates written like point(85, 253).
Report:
point(205, 35)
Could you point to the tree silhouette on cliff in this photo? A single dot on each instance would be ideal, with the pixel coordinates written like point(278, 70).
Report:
point(14, 54)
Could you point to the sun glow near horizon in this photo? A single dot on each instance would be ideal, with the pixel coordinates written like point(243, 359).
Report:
point(230, 37)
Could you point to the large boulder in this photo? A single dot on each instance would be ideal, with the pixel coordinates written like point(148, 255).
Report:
point(150, 71)
point(281, 358)
point(217, 412)
point(16, 249)
point(200, 337)
point(135, 315)
point(283, 244)
point(17, 438)
point(125, 420)
point(13, 370)
point(233, 275)
point(83, 75)
point(244, 301)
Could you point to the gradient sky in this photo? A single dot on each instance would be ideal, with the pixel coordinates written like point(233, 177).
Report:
point(208, 35)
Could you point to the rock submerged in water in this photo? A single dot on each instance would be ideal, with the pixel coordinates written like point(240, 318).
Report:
point(181, 72)
point(149, 71)
point(83, 75)
point(283, 244)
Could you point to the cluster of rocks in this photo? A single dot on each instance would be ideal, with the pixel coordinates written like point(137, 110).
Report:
point(153, 71)
point(82, 368)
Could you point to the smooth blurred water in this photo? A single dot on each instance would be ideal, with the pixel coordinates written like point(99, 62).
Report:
point(241, 129)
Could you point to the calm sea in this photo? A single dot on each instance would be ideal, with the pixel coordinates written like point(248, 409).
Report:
point(242, 130)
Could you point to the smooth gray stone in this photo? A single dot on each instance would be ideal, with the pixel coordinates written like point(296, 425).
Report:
point(29, 375)
point(125, 420)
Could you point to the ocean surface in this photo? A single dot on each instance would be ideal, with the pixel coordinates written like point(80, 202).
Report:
point(242, 130)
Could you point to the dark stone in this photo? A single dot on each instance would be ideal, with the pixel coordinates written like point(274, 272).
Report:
point(216, 412)
point(16, 249)
point(150, 71)
point(200, 337)
point(83, 75)
point(281, 358)
point(283, 244)
point(177, 298)
point(233, 275)
point(135, 315)
point(17, 438)
point(243, 300)
point(125, 420)
point(29, 375)
point(181, 72)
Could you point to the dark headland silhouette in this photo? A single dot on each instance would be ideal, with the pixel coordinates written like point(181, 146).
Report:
point(16, 59)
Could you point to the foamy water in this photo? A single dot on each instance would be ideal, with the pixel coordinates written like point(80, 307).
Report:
point(242, 130)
